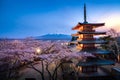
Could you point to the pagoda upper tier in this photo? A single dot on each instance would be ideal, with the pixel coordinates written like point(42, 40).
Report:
point(89, 25)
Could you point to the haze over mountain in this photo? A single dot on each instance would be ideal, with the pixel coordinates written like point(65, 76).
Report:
point(54, 37)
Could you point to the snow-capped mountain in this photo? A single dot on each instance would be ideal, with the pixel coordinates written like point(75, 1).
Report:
point(54, 37)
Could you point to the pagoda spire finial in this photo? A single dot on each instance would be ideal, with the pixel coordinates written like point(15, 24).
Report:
point(85, 21)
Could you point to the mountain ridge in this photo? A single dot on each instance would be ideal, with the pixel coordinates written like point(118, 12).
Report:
point(54, 37)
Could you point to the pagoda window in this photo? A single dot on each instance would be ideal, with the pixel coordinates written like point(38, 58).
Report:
point(80, 68)
point(87, 28)
point(79, 46)
point(87, 45)
point(88, 36)
point(89, 69)
point(80, 36)
point(93, 28)
point(84, 69)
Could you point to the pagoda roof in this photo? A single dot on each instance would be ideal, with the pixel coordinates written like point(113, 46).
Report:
point(77, 34)
point(96, 51)
point(74, 42)
point(92, 24)
point(96, 62)
point(88, 24)
point(92, 42)
point(83, 32)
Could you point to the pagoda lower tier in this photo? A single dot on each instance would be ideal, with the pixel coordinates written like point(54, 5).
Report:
point(96, 51)
point(91, 64)
point(95, 61)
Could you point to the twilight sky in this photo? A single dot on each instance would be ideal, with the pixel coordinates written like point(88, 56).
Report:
point(24, 18)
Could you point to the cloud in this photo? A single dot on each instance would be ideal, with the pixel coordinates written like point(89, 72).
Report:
point(111, 21)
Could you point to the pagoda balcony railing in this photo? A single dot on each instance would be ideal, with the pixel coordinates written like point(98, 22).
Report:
point(96, 51)
point(88, 47)
point(87, 32)
point(92, 24)
point(92, 42)
point(75, 34)
point(88, 39)
point(79, 39)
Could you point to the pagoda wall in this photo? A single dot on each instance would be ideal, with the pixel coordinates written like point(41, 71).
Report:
point(85, 37)
point(79, 46)
point(88, 37)
point(85, 46)
point(88, 46)
point(87, 28)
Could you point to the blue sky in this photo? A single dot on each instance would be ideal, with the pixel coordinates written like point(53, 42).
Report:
point(24, 18)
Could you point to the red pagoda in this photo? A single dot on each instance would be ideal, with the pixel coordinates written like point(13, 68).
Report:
point(86, 42)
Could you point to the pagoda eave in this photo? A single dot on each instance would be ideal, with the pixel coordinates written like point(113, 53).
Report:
point(92, 42)
point(77, 34)
point(95, 33)
point(92, 24)
point(76, 27)
point(74, 42)
point(87, 24)
point(96, 51)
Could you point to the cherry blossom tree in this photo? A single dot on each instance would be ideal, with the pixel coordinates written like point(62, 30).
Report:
point(58, 60)
point(23, 52)
point(113, 43)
